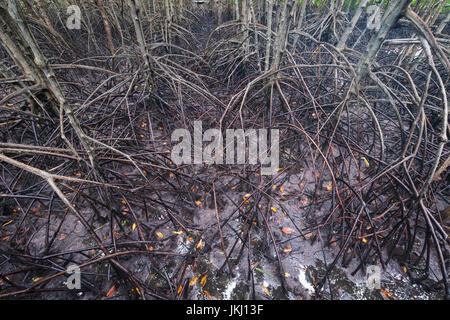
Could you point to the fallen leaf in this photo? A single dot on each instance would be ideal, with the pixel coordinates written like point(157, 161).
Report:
point(111, 292)
point(203, 281)
point(387, 294)
point(333, 241)
point(365, 161)
point(265, 290)
point(287, 249)
point(6, 223)
point(193, 281)
point(287, 230)
point(207, 293)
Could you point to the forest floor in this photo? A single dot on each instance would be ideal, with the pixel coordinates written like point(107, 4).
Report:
point(296, 203)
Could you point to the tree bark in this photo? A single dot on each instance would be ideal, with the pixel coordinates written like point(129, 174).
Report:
point(107, 27)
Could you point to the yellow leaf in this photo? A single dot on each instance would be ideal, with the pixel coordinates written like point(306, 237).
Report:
point(133, 226)
point(265, 290)
point(37, 279)
point(274, 186)
point(193, 281)
point(273, 209)
point(6, 223)
point(159, 234)
point(246, 196)
point(281, 189)
point(179, 289)
point(329, 186)
point(365, 161)
point(199, 203)
point(138, 291)
point(177, 232)
point(203, 281)
point(200, 244)
point(287, 275)
point(364, 240)
point(404, 269)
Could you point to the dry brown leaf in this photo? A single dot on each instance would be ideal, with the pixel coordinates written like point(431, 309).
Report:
point(111, 292)
point(287, 250)
point(287, 230)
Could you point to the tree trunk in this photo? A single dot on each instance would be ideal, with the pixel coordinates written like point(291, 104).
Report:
point(107, 27)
